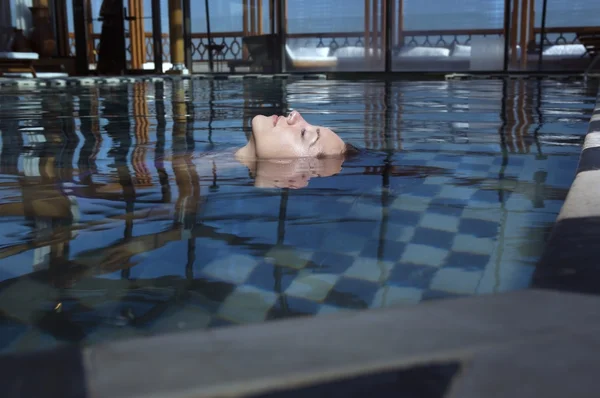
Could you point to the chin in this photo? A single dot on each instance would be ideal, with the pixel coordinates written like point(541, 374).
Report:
point(260, 123)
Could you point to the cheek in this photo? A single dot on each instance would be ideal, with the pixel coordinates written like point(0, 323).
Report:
point(277, 143)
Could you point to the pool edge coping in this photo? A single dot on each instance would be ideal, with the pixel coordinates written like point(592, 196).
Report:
point(268, 357)
point(29, 82)
point(64, 81)
point(569, 260)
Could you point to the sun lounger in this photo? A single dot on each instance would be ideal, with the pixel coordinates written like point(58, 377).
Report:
point(310, 58)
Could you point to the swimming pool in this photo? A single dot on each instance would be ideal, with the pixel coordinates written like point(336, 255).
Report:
point(114, 223)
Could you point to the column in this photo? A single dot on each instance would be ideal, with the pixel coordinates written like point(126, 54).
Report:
point(176, 38)
point(42, 35)
point(62, 28)
point(137, 34)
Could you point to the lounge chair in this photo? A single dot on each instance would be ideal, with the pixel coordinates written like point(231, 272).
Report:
point(14, 61)
point(591, 42)
point(309, 58)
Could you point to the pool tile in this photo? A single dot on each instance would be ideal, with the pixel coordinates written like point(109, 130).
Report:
point(271, 277)
point(388, 250)
point(457, 281)
point(479, 228)
point(288, 257)
point(331, 309)
point(489, 196)
point(404, 217)
point(313, 287)
point(424, 190)
point(342, 242)
point(288, 306)
point(433, 237)
point(247, 304)
point(365, 210)
point(369, 269)
point(466, 166)
point(456, 192)
point(409, 203)
point(465, 260)
point(480, 160)
point(234, 268)
point(423, 255)
point(388, 296)
point(446, 165)
point(440, 222)
point(446, 206)
point(513, 160)
point(352, 293)
point(411, 275)
point(397, 232)
point(443, 157)
point(330, 262)
point(485, 214)
point(473, 244)
point(437, 180)
point(439, 295)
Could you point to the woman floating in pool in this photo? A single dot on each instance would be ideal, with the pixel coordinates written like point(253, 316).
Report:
point(288, 151)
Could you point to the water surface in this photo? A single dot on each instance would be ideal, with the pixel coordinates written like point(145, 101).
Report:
point(122, 212)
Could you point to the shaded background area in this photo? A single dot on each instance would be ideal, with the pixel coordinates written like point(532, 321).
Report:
point(331, 35)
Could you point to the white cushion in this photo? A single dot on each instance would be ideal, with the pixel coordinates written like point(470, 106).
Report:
point(354, 52)
point(461, 51)
point(307, 53)
point(18, 55)
point(571, 50)
point(424, 52)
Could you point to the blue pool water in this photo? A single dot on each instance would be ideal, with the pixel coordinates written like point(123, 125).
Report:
point(122, 212)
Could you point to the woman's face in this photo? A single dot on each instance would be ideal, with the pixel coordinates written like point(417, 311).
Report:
point(276, 137)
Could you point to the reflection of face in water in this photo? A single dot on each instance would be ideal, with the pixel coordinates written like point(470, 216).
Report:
point(291, 173)
point(277, 137)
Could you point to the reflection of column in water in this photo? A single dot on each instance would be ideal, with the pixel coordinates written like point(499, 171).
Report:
point(89, 129)
point(367, 115)
point(12, 140)
point(143, 177)
point(186, 176)
point(116, 100)
point(48, 208)
point(159, 151)
point(398, 104)
point(277, 268)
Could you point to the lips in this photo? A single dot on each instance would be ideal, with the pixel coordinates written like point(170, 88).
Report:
point(275, 119)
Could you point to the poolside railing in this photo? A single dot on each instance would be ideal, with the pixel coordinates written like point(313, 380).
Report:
point(412, 38)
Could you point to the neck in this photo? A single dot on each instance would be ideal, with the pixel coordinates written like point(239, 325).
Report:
point(246, 152)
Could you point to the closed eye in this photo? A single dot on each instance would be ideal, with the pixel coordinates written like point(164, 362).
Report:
point(316, 139)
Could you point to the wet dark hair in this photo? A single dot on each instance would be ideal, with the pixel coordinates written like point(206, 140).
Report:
point(351, 151)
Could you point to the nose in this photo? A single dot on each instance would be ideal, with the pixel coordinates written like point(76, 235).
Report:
point(294, 117)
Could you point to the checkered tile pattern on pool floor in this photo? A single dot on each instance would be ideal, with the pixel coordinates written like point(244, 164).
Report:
point(445, 234)
point(442, 238)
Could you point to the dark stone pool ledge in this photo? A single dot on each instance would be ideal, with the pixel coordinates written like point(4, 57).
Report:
point(529, 343)
point(571, 261)
point(40, 81)
point(94, 80)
